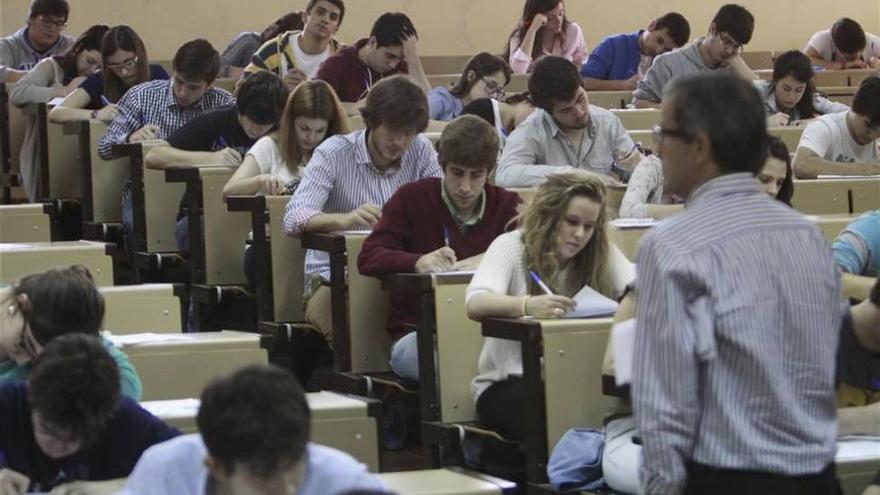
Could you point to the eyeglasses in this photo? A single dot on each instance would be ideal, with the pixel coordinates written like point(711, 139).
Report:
point(51, 23)
point(128, 64)
point(659, 133)
point(729, 42)
point(495, 90)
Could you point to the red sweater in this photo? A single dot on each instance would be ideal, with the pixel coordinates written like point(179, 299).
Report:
point(412, 225)
point(350, 77)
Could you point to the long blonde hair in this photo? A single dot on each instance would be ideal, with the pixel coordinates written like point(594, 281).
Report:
point(315, 100)
point(539, 222)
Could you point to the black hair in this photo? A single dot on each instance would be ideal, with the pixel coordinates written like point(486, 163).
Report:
point(482, 108)
point(735, 125)
point(74, 385)
point(57, 8)
point(736, 21)
point(340, 4)
point(553, 79)
point(676, 25)
point(90, 39)
point(261, 98)
point(256, 418)
point(482, 64)
point(776, 148)
point(197, 60)
point(797, 65)
point(398, 103)
point(60, 301)
point(866, 101)
point(848, 36)
point(391, 29)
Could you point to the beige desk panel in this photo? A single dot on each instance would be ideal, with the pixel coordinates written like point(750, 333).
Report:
point(141, 308)
point(18, 260)
point(24, 223)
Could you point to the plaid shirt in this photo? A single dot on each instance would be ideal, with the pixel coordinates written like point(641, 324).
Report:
point(153, 102)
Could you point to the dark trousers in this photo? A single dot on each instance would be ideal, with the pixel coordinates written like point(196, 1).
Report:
point(708, 480)
point(501, 407)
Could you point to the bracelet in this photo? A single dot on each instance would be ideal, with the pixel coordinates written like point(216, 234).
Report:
point(525, 311)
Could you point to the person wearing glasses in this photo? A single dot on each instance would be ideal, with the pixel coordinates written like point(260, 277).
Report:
point(52, 78)
point(484, 76)
point(43, 306)
point(565, 131)
point(41, 38)
point(125, 65)
point(843, 143)
point(720, 49)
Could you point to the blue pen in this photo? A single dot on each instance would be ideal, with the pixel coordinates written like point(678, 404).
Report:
point(540, 283)
point(446, 236)
point(104, 100)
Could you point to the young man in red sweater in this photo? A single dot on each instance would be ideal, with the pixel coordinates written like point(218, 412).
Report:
point(436, 225)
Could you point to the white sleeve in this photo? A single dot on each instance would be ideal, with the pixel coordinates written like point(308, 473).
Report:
point(820, 41)
point(642, 185)
point(265, 153)
point(498, 266)
point(816, 138)
point(623, 271)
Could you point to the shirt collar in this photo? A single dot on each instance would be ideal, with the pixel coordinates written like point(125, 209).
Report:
point(724, 185)
point(362, 154)
point(460, 221)
point(555, 131)
point(170, 101)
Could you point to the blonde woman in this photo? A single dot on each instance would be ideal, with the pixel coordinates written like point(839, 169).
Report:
point(562, 239)
point(274, 164)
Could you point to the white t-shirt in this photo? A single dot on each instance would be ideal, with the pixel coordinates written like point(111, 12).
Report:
point(308, 63)
point(268, 157)
point(824, 46)
point(502, 271)
point(828, 137)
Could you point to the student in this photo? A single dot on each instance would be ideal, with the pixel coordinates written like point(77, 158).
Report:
point(544, 30)
point(710, 322)
point(71, 425)
point(53, 77)
point(221, 136)
point(44, 306)
point(275, 163)
point(40, 38)
point(253, 439)
point(296, 55)
point(125, 64)
point(437, 225)
point(731, 29)
point(484, 76)
point(843, 143)
point(565, 132)
point(857, 248)
point(561, 237)
point(392, 48)
point(791, 97)
point(153, 110)
point(845, 46)
point(239, 52)
point(621, 60)
point(350, 177)
point(645, 197)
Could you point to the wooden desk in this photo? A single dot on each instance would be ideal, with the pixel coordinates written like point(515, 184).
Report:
point(26, 222)
point(838, 196)
point(572, 352)
point(638, 119)
point(448, 481)
point(143, 308)
point(610, 99)
point(58, 161)
point(18, 260)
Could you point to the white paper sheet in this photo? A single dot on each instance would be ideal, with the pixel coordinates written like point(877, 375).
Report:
point(853, 449)
point(144, 338)
point(623, 343)
point(179, 408)
point(848, 176)
point(591, 304)
point(634, 223)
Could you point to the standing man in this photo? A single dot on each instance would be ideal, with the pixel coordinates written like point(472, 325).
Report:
point(738, 314)
point(40, 38)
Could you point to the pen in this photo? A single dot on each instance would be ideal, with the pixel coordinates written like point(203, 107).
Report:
point(104, 100)
point(446, 236)
point(540, 283)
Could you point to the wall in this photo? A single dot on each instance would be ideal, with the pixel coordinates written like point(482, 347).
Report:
point(446, 26)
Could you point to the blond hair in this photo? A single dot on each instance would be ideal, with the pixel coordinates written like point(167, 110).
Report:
point(539, 222)
point(315, 100)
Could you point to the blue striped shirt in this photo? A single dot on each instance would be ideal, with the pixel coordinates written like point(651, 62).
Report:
point(738, 314)
point(341, 177)
point(153, 102)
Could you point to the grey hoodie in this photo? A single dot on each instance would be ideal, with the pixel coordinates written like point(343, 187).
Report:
point(668, 67)
point(17, 53)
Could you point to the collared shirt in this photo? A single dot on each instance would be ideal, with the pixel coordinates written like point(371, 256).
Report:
point(153, 102)
point(177, 467)
point(538, 148)
point(461, 221)
point(738, 316)
point(341, 177)
point(616, 58)
point(821, 104)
